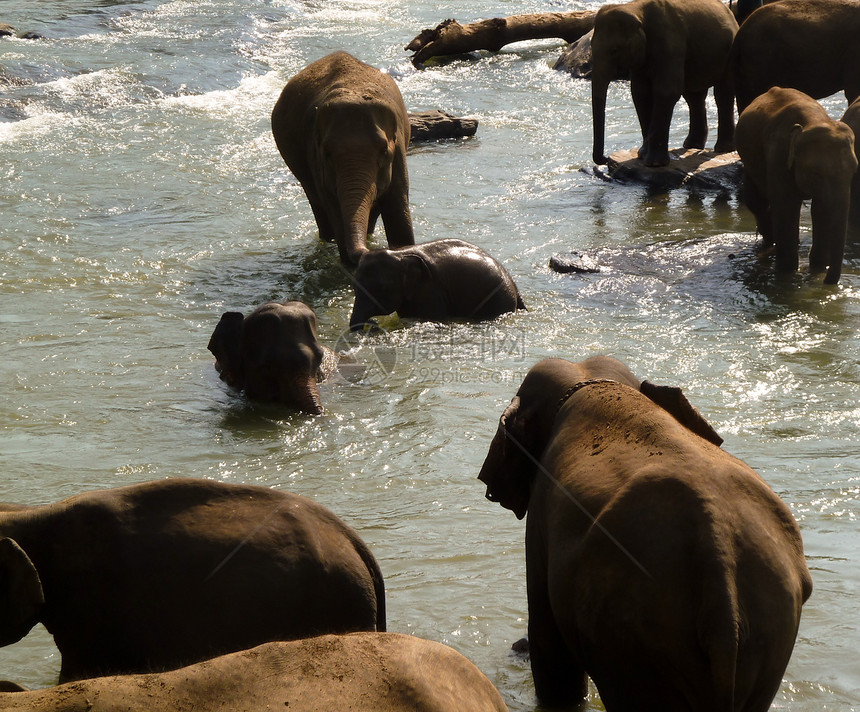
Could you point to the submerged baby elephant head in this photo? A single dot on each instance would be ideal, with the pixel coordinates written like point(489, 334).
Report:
point(273, 354)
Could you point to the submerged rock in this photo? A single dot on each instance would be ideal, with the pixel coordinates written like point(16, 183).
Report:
point(691, 167)
point(574, 262)
point(437, 125)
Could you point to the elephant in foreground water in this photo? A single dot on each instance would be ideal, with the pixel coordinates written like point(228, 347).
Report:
point(657, 563)
point(668, 49)
point(851, 118)
point(166, 573)
point(383, 672)
point(792, 151)
point(809, 45)
point(274, 354)
point(443, 279)
point(342, 129)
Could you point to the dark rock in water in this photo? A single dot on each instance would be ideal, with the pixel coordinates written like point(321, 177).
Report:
point(437, 125)
point(574, 262)
point(576, 58)
point(521, 647)
point(692, 168)
point(9, 31)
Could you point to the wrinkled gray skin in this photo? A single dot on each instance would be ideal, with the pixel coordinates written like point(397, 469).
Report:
point(792, 151)
point(809, 45)
point(383, 672)
point(851, 118)
point(342, 129)
point(443, 279)
point(274, 354)
point(668, 49)
point(162, 574)
point(656, 563)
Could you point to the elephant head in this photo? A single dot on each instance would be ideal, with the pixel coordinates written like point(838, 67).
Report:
point(20, 592)
point(356, 143)
point(618, 47)
point(823, 162)
point(273, 354)
point(384, 280)
point(526, 426)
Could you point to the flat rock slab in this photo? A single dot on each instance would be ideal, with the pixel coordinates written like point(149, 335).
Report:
point(437, 125)
point(692, 168)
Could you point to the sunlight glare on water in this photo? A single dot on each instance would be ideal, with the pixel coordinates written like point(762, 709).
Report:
point(143, 196)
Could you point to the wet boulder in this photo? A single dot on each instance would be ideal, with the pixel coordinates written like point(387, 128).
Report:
point(691, 168)
point(576, 58)
point(437, 125)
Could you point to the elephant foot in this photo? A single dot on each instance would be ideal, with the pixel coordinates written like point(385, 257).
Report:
point(694, 143)
point(724, 146)
point(656, 160)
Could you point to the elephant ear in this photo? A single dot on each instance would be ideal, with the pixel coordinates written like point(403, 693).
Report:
point(415, 272)
point(796, 131)
point(21, 596)
point(225, 345)
point(510, 465)
point(673, 400)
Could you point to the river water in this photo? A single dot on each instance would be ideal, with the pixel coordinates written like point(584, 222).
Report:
point(142, 195)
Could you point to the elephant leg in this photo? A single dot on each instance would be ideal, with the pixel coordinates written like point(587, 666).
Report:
point(319, 210)
point(724, 96)
point(657, 142)
point(786, 232)
point(394, 208)
point(759, 206)
point(559, 678)
point(643, 102)
point(698, 133)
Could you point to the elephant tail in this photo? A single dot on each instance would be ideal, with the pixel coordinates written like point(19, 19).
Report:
point(720, 628)
point(378, 582)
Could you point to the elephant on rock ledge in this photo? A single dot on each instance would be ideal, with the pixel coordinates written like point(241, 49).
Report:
point(439, 280)
point(162, 574)
point(274, 354)
point(342, 129)
point(656, 563)
point(383, 672)
point(791, 151)
point(668, 49)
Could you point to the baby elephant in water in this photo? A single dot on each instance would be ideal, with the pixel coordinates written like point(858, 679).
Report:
point(274, 354)
point(444, 279)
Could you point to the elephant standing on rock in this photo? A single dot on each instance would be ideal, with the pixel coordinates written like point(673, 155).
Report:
point(342, 129)
point(668, 49)
point(809, 45)
point(791, 151)
point(383, 672)
point(851, 118)
point(443, 279)
point(162, 574)
point(657, 563)
point(274, 354)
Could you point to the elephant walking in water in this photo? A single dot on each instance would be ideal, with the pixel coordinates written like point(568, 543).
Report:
point(342, 129)
point(162, 574)
point(668, 49)
point(656, 563)
point(791, 151)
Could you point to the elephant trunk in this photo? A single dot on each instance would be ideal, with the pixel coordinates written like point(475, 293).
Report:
point(357, 192)
point(829, 227)
point(302, 392)
point(599, 88)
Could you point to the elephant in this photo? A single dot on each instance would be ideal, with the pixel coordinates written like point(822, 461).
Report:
point(668, 49)
point(157, 575)
point(436, 280)
point(341, 127)
point(384, 672)
point(274, 354)
point(791, 151)
point(851, 118)
point(809, 45)
point(656, 563)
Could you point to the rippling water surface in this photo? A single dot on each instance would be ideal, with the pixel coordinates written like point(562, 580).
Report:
point(142, 195)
